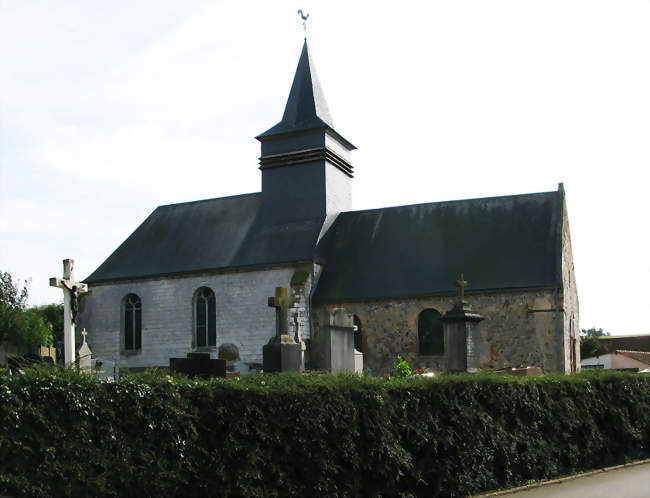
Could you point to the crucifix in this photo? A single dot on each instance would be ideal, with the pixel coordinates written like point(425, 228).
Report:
point(461, 283)
point(281, 302)
point(71, 290)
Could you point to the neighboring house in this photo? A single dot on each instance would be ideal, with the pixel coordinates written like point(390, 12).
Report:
point(196, 275)
point(619, 360)
point(637, 342)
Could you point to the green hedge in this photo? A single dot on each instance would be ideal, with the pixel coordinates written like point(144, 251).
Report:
point(63, 434)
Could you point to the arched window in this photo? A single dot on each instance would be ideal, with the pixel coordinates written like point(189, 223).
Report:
point(132, 323)
point(358, 334)
point(430, 335)
point(205, 318)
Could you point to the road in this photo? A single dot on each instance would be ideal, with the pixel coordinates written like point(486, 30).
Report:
point(626, 482)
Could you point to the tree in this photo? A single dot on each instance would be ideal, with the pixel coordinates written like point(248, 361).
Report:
point(18, 325)
point(53, 316)
point(590, 344)
point(594, 332)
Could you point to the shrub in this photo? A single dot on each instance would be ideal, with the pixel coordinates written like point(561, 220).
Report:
point(66, 434)
point(20, 326)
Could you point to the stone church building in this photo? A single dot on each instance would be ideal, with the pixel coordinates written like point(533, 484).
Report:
point(196, 275)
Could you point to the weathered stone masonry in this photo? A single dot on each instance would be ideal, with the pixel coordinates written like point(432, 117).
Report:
point(510, 334)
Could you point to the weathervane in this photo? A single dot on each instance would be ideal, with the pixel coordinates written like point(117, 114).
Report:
point(304, 21)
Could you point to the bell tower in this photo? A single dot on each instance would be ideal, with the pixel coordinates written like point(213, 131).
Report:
point(305, 163)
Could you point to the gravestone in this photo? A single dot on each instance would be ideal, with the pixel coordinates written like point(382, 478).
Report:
point(198, 365)
point(282, 353)
point(358, 362)
point(462, 335)
point(335, 344)
point(84, 354)
point(71, 291)
point(230, 353)
point(297, 322)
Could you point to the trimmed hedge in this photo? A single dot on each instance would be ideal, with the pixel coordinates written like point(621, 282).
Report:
point(64, 434)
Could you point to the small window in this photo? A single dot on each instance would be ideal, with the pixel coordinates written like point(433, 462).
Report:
point(430, 335)
point(205, 318)
point(132, 323)
point(358, 334)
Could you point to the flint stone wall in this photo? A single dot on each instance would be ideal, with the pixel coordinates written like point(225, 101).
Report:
point(509, 335)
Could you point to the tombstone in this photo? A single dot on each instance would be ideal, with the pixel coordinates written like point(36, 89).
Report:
point(230, 353)
point(358, 345)
point(84, 354)
point(335, 344)
point(358, 362)
point(282, 353)
point(298, 284)
point(71, 291)
point(462, 335)
point(198, 365)
point(104, 369)
point(297, 325)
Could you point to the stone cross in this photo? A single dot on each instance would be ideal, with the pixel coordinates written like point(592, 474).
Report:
point(281, 302)
point(461, 283)
point(83, 336)
point(71, 290)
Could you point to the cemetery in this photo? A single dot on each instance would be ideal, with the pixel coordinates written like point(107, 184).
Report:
point(214, 427)
point(280, 343)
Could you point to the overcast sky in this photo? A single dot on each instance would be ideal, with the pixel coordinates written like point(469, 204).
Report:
point(109, 109)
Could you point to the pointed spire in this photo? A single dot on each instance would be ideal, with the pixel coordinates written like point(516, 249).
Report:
point(306, 107)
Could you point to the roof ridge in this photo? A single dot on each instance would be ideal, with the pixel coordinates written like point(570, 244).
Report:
point(206, 200)
point(454, 201)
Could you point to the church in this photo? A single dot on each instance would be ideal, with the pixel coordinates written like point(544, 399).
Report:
point(197, 275)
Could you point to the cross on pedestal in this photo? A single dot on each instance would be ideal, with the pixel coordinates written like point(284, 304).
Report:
point(461, 284)
point(297, 318)
point(71, 290)
point(83, 336)
point(281, 302)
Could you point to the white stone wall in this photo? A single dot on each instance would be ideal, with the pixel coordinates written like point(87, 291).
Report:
point(243, 315)
point(338, 190)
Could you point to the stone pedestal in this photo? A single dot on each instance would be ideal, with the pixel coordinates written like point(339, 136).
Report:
point(462, 337)
point(282, 354)
point(358, 362)
point(335, 345)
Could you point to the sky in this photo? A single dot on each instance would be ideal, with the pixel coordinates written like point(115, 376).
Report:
point(109, 109)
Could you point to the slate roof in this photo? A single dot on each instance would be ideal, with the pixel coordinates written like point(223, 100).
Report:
point(206, 235)
point(306, 107)
point(498, 243)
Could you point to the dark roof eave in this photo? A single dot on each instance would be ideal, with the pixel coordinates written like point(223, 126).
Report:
point(317, 300)
point(218, 270)
point(269, 135)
